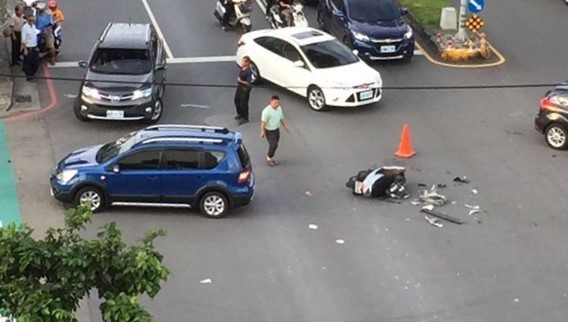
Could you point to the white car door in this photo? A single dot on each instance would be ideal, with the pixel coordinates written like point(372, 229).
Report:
point(269, 59)
point(297, 75)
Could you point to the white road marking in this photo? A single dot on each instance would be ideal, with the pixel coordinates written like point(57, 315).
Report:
point(180, 60)
point(195, 105)
point(158, 30)
point(418, 53)
point(208, 59)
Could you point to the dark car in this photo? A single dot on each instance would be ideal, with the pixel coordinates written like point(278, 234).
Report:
point(552, 117)
point(126, 75)
point(375, 28)
point(162, 165)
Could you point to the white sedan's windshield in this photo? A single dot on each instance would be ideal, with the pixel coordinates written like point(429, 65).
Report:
point(329, 54)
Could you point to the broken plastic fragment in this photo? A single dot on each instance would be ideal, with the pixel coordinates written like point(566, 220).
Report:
point(415, 202)
point(462, 179)
point(206, 281)
point(474, 191)
point(516, 300)
point(476, 207)
point(313, 226)
point(473, 211)
point(432, 197)
point(434, 221)
point(340, 241)
point(428, 207)
point(308, 193)
point(441, 185)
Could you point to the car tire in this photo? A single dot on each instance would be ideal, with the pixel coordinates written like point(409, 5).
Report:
point(156, 112)
point(77, 111)
point(316, 98)
point(255, 74)
point(556, 136)
point(407, 58)
point(92, 195)
point(214, 204)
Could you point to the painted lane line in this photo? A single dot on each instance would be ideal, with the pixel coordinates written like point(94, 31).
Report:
point(158, 30)
point(195, 105)
point(418, 52)
point(180, 60)
point(208, 59)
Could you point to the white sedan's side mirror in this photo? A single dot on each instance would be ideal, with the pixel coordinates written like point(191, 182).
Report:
point(356, 52)
point(299, 63)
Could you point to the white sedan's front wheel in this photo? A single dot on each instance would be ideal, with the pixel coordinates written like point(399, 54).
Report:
point(316, 99)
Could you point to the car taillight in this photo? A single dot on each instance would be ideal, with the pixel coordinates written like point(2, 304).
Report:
point(244, 176)
point(240, 43)
point(547, 104)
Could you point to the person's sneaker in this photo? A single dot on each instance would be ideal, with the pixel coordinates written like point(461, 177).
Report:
point(238, 117)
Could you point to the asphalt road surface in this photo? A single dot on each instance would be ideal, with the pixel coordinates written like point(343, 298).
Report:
point(508, 263)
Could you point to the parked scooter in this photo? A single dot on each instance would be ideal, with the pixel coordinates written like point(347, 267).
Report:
point(241, 17)
point(43, 50)
point(277, 21)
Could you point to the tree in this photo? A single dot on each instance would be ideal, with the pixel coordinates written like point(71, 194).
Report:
point(43, 280)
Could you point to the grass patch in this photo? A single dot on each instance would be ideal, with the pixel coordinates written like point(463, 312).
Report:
point(427, 12)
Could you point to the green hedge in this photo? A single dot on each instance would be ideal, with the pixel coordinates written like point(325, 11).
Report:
point(427, 12)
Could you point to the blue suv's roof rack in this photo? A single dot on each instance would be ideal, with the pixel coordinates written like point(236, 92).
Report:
point(184, 140)
point(201, 128)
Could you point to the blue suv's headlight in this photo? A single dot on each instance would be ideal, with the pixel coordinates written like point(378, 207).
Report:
point(408, 33)
point(65, 176)
point(360, 36)
point(142, 93)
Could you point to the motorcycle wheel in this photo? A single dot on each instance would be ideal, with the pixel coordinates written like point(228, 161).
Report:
point(246, 28)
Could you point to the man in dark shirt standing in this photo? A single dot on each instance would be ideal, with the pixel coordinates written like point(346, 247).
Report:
point(242, 94)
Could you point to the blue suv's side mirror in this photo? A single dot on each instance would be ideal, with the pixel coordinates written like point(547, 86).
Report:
point(114, 168)
point(339, 14)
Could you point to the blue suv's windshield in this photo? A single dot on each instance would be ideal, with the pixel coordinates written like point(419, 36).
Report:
point(373, 11)
point(112, 149)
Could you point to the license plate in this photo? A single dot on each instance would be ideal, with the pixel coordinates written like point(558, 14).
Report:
point(388, 49)
point(366, 95)
point(115, 115)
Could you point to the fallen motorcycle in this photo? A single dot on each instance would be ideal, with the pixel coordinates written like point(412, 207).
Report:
point(383, 182)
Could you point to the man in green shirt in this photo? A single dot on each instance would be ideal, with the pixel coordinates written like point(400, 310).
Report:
point(271, 119)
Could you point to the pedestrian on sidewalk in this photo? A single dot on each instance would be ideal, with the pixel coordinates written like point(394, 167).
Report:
point(16, 23)
point(242, 95)
point(29, 48)
point(271, 119)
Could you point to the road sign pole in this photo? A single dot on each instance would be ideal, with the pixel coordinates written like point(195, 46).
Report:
point(461, 36)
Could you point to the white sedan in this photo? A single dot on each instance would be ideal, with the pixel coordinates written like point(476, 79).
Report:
point(313, 64)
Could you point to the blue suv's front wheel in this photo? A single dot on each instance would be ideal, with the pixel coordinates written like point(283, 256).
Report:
point(91, 196)
point(214, 204)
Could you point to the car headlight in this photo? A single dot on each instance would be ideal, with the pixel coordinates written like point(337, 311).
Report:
point(90, 92)
point(408, 33)
point(66, 175)
point(360, 36)
point(142, 93)
point(378, 80)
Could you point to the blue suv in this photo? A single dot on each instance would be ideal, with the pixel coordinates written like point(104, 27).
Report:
point(375, 28)
point(161, 165)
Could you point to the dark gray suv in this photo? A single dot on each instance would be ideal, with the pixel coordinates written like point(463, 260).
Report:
point(126, 75)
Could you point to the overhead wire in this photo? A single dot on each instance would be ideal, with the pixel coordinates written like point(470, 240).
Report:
point(207, 85)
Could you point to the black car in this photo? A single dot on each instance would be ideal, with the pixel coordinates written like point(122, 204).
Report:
point(375, 28)
point(552, 117)
point(126, 75)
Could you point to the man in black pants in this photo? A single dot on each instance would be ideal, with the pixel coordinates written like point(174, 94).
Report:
point(271, 119)
point(29, 48)
point(16, 23)
point(242, 94)
point(229, 11)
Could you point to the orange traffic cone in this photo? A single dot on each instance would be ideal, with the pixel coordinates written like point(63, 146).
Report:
point(405, 146)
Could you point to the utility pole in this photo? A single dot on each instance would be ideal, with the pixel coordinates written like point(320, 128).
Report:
point(461, 36)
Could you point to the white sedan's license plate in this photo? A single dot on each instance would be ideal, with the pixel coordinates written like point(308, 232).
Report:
point(366, 95)
point(115, 115)
point(388, 49)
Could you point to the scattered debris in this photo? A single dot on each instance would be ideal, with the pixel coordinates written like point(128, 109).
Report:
point(474, 191)
point(454, 202)
point(554, 155)
point(472, 209)
point(532, 224)
point(428, 207)
point(442, 216)
point(415, 202)
point(422, 185)
point(206, 281)
point(434, 221)
point(516, 300)
point(70, 95)
point(313, 226)
point(308, 193)
point(441, 185)
point(462, 179)
point(340, 241)
point(432, 197)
